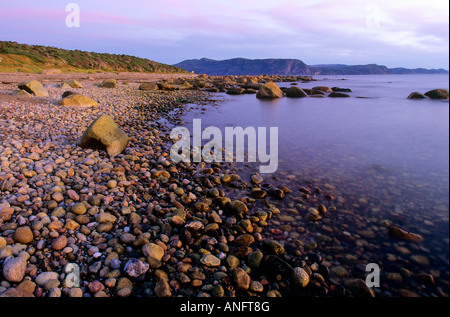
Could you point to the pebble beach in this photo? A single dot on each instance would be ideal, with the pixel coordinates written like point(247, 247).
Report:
point(138, 224)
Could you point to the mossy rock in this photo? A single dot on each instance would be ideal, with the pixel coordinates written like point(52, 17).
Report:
point(78, 100)
point(269, 91)
point(437, 94)
point(104, 133)
point(109, 83)
point(34, 87)
point(73, 83)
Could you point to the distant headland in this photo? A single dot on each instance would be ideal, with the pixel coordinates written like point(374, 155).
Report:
point(290, 67)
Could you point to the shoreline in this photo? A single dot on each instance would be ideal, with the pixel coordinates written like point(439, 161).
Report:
point(165, 229)
point(171, 230)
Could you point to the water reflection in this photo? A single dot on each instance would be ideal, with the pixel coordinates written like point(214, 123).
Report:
point(385, 159)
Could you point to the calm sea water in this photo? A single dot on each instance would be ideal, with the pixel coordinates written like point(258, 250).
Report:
point(384, 156)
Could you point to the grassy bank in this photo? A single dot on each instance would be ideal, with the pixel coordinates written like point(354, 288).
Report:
point(26, 58)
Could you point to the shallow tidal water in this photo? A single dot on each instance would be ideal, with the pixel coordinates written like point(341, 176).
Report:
point(383, 158)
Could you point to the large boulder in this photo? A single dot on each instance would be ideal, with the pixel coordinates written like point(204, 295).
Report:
point(105, 133)
point(77, 100)
point(269, 90)
point(148, 86)
point(109, 83)
point(73, 83)
point(437, 94)
point(34, 87)
point(295, 92)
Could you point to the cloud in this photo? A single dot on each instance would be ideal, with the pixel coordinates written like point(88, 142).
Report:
point(366, 30)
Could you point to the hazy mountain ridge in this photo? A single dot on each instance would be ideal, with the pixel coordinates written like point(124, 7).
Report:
point(288, 67)
point(243, 66)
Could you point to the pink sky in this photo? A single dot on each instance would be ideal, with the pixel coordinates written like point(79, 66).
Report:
point(394, 33)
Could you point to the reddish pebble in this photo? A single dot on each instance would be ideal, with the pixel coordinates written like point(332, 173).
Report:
point(59, 243)
point(276, 231)
point(96, 287)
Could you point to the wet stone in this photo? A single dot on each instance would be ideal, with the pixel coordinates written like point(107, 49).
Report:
point(300, 277)
point(241, 279)
point(14, 269)
point(23, 235)
point(420, 260)
point(78, 209)
point(59, 243)
point(339, 271)
point(135, 268)
point(255, 258)
point(210, 260)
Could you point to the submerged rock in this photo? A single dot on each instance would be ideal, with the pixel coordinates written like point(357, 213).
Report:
point(416, 95)
point(256, 179)
point(323, 89)
point(34, 87)
point(276, 192)
point(238, 207)
point(338, 89)
point(250, 91)
point(404, 235)
point(359, 288)
point(274, 247)
point(335, 94)
point(235, 91)
point(272, 264)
